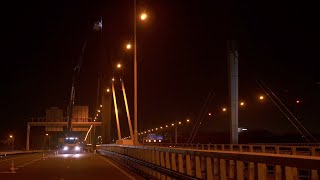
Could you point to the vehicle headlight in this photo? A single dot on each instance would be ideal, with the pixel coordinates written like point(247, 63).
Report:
point(77, 148)
point(66, 148)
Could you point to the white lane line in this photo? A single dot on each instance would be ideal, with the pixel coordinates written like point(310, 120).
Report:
point(124, 172)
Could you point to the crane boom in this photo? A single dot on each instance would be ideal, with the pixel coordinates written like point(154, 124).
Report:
point(76, 71)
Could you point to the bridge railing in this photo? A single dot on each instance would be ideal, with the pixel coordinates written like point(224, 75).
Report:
point(180, 163)
point(293, 149)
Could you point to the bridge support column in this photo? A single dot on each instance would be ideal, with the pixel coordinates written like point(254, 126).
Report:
point(28, 137)
point(233, 89)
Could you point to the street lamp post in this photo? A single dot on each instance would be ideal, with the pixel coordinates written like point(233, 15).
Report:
point(48, 137)
point(135, 69)
point(176, 133)
point(12, 141)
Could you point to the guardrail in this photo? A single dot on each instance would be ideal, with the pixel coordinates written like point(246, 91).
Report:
point(293, 149)
point(161, 163)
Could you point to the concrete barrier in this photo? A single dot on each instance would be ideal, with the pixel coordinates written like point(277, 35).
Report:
point(21, 152)
point(214, 164)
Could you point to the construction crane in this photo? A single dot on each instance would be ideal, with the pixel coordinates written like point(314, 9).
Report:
point(76, 71)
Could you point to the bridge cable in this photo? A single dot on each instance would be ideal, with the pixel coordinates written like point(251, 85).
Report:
point(281, 109)
point(203, 116)
point(200, 117)
point(283, 112)
point(196, 122)
point(288, 111)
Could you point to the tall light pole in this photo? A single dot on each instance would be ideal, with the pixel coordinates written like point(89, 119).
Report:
point(48, 137)
point(12, 141)
point(135, 76)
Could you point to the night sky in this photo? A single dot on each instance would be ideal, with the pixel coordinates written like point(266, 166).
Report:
point(182, 56)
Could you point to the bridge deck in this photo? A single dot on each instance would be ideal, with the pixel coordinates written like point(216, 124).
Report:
point(63, 166)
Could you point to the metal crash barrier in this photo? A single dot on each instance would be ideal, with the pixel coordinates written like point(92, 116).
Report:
point(179, 163)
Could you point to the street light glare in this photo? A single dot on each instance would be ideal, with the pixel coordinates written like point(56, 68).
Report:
point(128, 46)
point(242, 104)
point(108, 90)
point(47, 134)
point(224, 109)
point(118, 65)
point(261, 97)
point(11, 136)
point(143, 16)
point(188, 120)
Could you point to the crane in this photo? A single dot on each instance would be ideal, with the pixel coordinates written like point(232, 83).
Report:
point(76, 71)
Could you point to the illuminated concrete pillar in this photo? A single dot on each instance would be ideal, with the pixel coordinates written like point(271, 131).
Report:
point(127, 108)
point(233, 89)
point(116, 111)
point(28, 137)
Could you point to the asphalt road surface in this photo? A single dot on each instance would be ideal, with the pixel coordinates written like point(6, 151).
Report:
point(62, 167)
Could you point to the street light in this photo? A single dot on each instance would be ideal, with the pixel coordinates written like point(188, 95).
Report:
point(261, 97)
point(47, 135)
point(135, 71)
point(241, 103)
point(12, 141)
point(128, 46)
point(224, 109)
point(143, 16)
point(118, 65)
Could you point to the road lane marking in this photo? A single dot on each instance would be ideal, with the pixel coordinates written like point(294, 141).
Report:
point(114, 165)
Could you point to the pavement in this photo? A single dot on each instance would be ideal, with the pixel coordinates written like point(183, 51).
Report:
point(62, 167)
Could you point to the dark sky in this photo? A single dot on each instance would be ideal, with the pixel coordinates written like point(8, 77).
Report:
point(182, 56)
